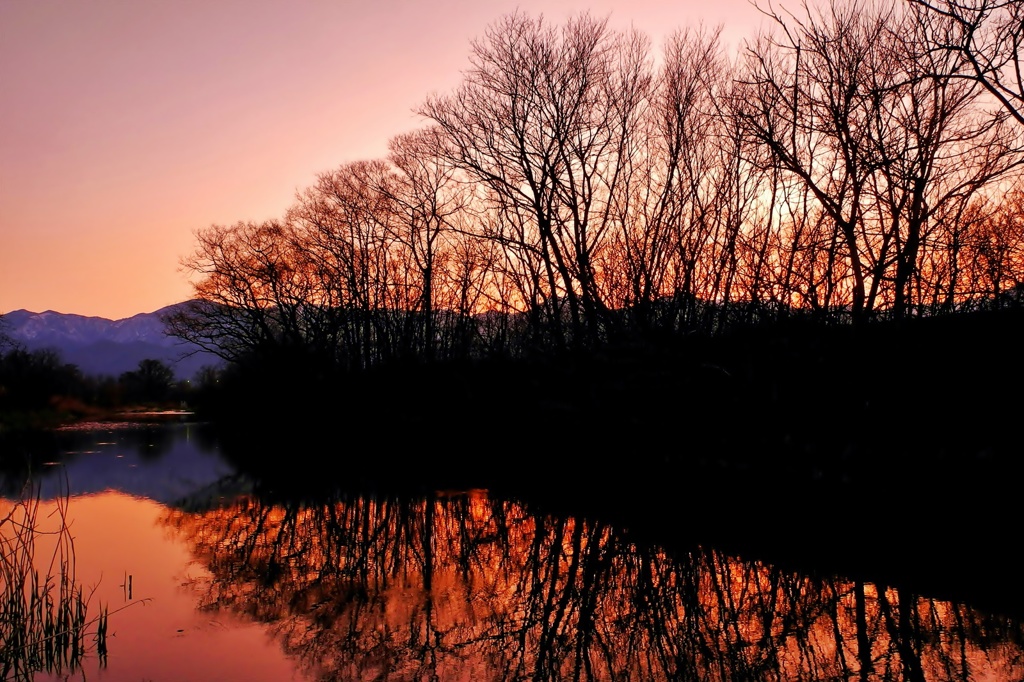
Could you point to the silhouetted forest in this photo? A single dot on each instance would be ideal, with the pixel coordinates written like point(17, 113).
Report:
point(581, 188)
point(38, 389)
point(593, 242)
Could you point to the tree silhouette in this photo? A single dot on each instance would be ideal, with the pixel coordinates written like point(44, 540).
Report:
point(29, 380)
point(6, 342)
point(541, 121)
point(986, 38)
point(574, 193)
point(150, 382)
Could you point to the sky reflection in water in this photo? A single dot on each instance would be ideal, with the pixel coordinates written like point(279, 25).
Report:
point(227, 585)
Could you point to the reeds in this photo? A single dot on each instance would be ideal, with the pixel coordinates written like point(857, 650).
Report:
point(45, 623)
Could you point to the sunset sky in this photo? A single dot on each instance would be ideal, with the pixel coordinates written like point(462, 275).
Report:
point(125, 125)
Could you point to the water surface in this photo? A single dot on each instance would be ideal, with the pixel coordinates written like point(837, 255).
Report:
point(209, 575)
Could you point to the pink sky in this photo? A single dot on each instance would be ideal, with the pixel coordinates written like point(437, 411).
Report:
point(125, 125)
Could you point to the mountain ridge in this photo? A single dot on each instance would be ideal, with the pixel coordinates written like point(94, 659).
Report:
point(101, 346)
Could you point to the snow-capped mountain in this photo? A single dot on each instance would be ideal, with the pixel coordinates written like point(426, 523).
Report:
point(106, 347)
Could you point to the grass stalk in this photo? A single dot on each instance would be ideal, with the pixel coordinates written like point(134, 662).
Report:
point(45, 621)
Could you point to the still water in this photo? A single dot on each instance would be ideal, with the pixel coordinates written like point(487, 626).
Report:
point(205, 576)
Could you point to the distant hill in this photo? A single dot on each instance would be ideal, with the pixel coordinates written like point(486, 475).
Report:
point(107, 347)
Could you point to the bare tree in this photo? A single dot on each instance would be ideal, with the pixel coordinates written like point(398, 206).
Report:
point(986, 36)
point(807, 100)
point(936, 150)
point(993, 252)
point(431, 200)
point(538, 121)
point(852, 102)
point(250, 297)
point(667, 202)
point(346, 224)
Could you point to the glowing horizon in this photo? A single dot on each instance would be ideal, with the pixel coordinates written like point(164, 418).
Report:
point(132, 126)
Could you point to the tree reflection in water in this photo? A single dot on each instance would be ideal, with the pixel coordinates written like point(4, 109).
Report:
point(467, 587)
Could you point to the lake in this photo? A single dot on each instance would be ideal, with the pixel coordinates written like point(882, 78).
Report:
point(205, 573)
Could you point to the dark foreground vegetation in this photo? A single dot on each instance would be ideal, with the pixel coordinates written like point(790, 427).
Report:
point(888, 453)
point(38, 390)
point(792, 407)
point(48, 624)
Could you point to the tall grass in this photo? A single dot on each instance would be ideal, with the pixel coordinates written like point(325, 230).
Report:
point(45, 620)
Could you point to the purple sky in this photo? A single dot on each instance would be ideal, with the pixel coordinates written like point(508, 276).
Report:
point(127, 125)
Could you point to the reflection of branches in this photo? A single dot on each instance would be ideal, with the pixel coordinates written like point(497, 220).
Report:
point(466, 586)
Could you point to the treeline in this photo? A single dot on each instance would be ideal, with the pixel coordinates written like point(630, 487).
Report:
point(581, 188)
point(37, 388)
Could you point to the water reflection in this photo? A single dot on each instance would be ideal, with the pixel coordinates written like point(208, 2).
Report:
point(458, 587)
point(465, 586)
point(161, 462)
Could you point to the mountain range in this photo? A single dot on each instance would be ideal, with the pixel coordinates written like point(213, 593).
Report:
point(107, 347)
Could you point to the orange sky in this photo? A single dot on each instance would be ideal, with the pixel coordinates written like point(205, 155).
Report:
point(125, 125)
